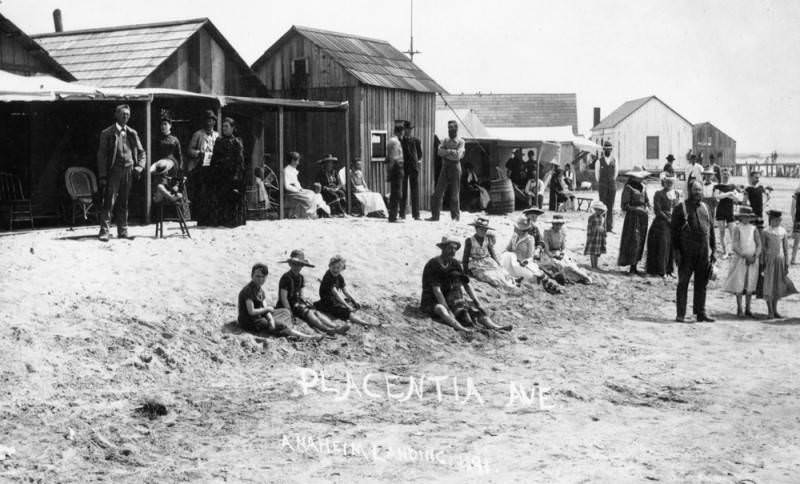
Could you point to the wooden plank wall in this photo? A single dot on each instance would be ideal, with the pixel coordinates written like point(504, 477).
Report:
point(324, 72)
point(16, 59)
point(720, 142)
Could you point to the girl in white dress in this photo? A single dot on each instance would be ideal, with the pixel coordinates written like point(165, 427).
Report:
point(743, 272)
point(517, 260)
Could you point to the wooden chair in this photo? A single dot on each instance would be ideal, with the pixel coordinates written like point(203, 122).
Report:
point(82, 187)
point(159, 210)
point(11, 196)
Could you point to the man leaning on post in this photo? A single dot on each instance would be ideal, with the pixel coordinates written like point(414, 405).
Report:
point(119, 156)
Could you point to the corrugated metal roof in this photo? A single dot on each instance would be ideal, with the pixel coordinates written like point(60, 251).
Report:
point(118, 56)
point(518, 110)
point(373, 62)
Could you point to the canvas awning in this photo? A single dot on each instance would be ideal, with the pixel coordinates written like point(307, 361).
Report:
point(14, 87)
point(560, 134)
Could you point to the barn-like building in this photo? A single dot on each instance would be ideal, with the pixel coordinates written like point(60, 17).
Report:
point(380, 83)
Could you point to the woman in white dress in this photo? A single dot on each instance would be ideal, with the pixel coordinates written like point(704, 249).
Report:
point(371, 203)
point(517, 260)
point(743, 272)
point(303, 202)
point(480, 260)
point(556, 258)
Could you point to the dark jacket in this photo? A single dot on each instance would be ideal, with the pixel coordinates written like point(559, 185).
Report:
point(412, 152)
point(693, 229)
point(107, 150)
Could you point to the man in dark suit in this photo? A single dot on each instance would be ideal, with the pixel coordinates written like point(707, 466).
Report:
point(119, 156)
point(412, 161)
point(693, 243)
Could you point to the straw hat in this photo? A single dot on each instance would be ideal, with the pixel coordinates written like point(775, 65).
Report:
point(481, 223)
point(298, 257)
point(745, 212)
point(523, 224)
point(598, 205)
point(533, 211)
point(328, 158)
point(162, 166)
point(556, 219)
point(638, 172)
point(448, 241)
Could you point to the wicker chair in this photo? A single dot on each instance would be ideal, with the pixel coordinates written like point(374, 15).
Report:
point(12, 198)
point(82, 187)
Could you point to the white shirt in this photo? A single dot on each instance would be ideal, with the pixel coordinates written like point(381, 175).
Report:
point(291, 182)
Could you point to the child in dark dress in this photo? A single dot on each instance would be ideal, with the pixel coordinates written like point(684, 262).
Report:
point(334, 298)
point(290, 296)
point(253, 315)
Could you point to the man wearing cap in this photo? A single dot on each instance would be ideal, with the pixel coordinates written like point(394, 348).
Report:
point(693, 243)
point(668, 169)
point(452, 151)
point(119, 156)
point(412, 156)
point(395, 169)
point(605, 172)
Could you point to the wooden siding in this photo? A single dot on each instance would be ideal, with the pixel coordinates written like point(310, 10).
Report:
point(201, 65)
point(15, 58)
point(720, 143)
point(323, 70)
point(629, 137)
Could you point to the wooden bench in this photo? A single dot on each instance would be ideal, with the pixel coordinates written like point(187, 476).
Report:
point(582, 200)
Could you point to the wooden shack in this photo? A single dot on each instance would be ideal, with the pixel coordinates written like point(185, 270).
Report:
point(20, 54)
point(380, 83)
point(643, 132)
point(708, 140)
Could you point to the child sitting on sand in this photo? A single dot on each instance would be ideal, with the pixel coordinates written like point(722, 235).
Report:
point(334, 298)
point(253, 315)
point(596, 233)
point(290, 296)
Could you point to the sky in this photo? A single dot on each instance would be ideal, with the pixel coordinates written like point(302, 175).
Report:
point(735, 63)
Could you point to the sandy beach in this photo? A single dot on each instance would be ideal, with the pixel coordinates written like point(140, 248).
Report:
point(594, 385)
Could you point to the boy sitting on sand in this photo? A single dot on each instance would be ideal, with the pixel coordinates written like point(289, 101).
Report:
point(253, 315)
point(290, 296)
point(334, 298)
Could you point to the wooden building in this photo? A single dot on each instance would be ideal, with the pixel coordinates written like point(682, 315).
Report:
point(643, 132)
point(20, 54)
point(708, 140)
point(380, 83)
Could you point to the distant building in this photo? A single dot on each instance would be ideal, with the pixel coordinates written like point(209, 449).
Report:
point(191, 55)
point(380, 83)
point(708, 140)
point(20, 54)
point(643, 132)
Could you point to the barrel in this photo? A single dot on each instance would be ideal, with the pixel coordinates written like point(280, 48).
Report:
point(501, 194)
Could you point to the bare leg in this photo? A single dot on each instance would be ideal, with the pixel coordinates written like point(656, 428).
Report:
point(593, 258)
point(298, 334)
point(448, 318)
point(487, 322)
point(319, 322)
point(356, 319)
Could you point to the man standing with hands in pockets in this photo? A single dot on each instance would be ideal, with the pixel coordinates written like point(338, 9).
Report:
point(119, 156)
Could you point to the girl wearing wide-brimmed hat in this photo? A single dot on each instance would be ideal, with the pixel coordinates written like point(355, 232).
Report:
point(517, 260)
point(556, 258)
point(742, 276)
point(480, 260)
point(596, 233)
point(634, 202)
point(775, 248)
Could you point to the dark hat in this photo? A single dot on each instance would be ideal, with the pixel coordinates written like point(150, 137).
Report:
point(745, 212)
point(328, 158)
point(298, 257)
point(693, 157)
point(400, 123)
point(166, 117)
point(774, 213)
point(670, 157)
point(448, 241)
point(533, 211)
point(210, 115)
point(758, 222)
point(481, 223)
point(408, 125)
point(608, 144)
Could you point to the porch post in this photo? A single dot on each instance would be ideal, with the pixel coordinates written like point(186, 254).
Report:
point(347, 158)
point(148, 154)
point(281, 158)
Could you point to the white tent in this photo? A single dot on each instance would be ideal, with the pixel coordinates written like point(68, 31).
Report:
point(14, 87)
point(560, 134)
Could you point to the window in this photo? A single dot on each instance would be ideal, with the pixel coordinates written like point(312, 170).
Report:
point(652, 148)
point(378, 142)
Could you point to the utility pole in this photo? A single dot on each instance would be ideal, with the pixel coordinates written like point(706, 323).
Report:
point(411, 50)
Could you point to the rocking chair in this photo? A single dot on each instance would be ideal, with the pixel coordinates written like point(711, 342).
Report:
point(11, 196)
point(82, 187)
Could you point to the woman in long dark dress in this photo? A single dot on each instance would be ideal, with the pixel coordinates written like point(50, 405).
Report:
point(169, 147)
point(333, 192)
point(659, 241)
point(225, 181)
point(634, 203)
point(556, 185)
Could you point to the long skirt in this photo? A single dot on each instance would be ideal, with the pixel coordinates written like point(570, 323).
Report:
point(633, 238)
point(742, 278)
point(659, 248)
point(301, 204)
point(567, 267)
point(776, 283)
point(227, 205)
point(371, 202)
point(490, 272)
point(509, 262)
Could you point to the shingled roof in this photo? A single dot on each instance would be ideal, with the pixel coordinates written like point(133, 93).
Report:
point(518, 110)
point(7, 28)
point(125, 56)
point(372, 62)
point(628, 108)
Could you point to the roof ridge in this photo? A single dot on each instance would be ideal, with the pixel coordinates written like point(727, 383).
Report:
point(339, 34)
point(513, 94)
point(120, 27)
